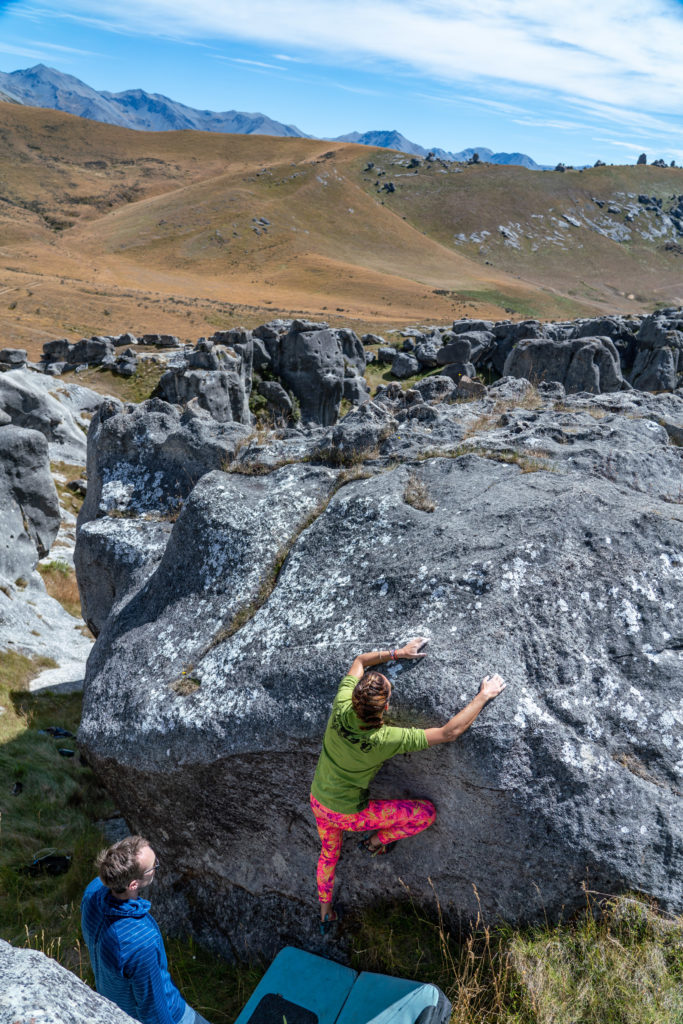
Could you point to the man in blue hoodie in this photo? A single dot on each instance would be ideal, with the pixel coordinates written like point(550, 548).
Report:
point(125, 945)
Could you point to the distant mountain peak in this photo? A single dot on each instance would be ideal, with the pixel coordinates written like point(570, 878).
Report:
point(44, 86)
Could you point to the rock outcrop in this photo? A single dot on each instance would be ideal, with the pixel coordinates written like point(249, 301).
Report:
point(581, 364)
point(37, 990)
point(28, 500)
point(58, 410)
point(143, 462)
point(313, 362)
point(219, 377)
point(549, 550)
point(31, 622)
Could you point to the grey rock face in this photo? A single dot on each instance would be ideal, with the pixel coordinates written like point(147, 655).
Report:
point(356, 390)
point(113, 557)
point(458, 370)
point(359, 434)
point(553, 556)
point(220, 392)
point(276, 396)
point(30, 620)
point(143, 460)
point(217, 376)
point(160, 340)
point(585, 364)
point(36, 402)
point(28, 501)
point(126, 364)
point(457, 350)
point(12, 358)
point(352, 348)
point(92, 350)
point(435, 388)
point(57, 351)
point(658, 364)
point(38, 990)
point(309, 360)
point(465, 326)
point(427, 355)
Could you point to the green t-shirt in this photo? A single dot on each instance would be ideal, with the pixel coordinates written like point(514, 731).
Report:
point(352, 756)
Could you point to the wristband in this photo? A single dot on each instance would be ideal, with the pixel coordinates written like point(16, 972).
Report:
point(392, 654)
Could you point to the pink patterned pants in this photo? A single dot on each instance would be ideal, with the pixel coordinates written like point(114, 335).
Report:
point(393, 819)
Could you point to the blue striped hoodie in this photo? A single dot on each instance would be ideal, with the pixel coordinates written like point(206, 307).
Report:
point(128, 956)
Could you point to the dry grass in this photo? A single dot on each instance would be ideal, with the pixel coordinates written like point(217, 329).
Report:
point(618, 962)
point(487, 421)
point(417, 494)
point(63, 473)
point(150, 243)
point(592, 410)
point(60, 582)
point(623, 963)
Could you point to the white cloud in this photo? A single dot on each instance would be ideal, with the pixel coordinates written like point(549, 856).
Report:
point(255, 63)
point(36, 49)
point(615, 59)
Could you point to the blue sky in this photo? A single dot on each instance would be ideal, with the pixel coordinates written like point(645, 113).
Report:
point(570, 81)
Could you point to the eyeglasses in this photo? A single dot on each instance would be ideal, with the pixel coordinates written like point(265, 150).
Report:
point(150, 870)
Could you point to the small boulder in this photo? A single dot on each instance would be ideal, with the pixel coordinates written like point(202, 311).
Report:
point(404, 365)
point(12, 358)
point(276, 396)
point(356, 390)
point(458, 370)
point(468, 388)
point(160, 340)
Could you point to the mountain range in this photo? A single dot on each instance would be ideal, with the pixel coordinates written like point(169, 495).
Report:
point(41, 86)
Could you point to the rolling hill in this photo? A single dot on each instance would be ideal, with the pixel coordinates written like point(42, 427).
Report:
point(104, 229)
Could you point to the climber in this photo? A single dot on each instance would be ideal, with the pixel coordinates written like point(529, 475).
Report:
point(355, 746)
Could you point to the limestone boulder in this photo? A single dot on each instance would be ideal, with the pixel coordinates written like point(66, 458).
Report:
point(12, 358)
point(658, 361)
point(552, 556)
point(29, 506)
point(143, 462)
point(30, 621)
point(217, 376)
point(276, 396)
point(404, 365)
point(60, 411)
point(582, 364)
point(113, 557)
point(38, 990)
point(356, 390)
point(309, 360)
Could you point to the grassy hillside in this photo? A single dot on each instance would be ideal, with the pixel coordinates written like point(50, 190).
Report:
point(104, 230)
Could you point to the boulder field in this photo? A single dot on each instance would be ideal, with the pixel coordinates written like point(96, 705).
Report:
point(232, 577)
point(301, 369)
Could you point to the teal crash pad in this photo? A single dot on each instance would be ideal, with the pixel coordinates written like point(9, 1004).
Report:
point(385, 1000)
point(300, 988)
